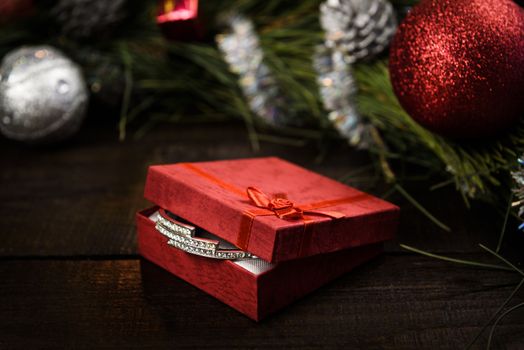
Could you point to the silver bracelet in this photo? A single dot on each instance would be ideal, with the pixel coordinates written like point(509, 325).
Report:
point(182, 236)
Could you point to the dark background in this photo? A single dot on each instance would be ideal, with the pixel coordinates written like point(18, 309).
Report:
point(71, 276)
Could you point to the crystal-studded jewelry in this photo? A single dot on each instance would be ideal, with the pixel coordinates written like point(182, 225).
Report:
point(182, 236)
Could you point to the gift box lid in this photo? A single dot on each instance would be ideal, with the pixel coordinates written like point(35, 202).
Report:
point(270, 207)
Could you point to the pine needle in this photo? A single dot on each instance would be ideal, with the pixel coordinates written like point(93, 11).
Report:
point(279, 140)
point(501, 307)
point(504, 314)
point(506, 217)
point(458, 261)
point(356, 171)
point(506, 261)
point(128, 77)
point(419, 206)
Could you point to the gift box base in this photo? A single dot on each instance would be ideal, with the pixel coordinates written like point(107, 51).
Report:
point(253, 287)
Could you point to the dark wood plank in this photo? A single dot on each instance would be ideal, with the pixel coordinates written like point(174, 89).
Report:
point(80, 198)
point(393, 302)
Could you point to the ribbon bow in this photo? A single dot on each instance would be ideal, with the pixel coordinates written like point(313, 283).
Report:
point(283, 207)
point(279, 204)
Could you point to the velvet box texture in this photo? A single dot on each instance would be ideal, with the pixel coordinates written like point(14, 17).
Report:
point(304, 228)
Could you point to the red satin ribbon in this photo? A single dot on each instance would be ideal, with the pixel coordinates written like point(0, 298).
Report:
point(283, 207)
point(277, 205)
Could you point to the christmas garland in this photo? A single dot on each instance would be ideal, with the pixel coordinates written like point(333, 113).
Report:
point(139, 59)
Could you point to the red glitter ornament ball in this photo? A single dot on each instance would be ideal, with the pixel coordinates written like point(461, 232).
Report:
point(457, 66)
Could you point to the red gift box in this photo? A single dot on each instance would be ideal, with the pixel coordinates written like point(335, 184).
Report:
point(305, 229)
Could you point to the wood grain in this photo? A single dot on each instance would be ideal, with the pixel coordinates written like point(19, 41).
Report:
point(71, 277)
point(394, 302)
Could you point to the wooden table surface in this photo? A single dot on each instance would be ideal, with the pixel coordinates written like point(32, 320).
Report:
point(71, 276)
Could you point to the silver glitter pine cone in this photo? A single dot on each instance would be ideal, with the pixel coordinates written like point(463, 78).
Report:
point(360, 29)
point(338, 91)
point(518, 188)
point(241, 49)
point(43, 96)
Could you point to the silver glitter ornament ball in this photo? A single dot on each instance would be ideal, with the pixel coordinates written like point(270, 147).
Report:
point(43, 96)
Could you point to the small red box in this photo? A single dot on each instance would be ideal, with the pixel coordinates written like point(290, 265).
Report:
point(304, 228)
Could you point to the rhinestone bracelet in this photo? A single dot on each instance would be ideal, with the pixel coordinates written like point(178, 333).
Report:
point(182, 236)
